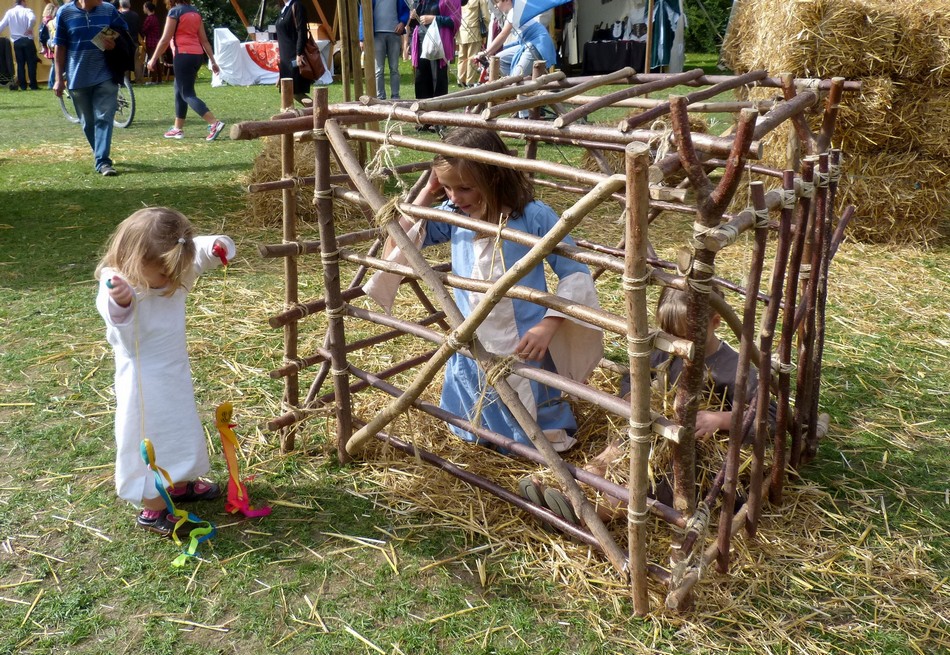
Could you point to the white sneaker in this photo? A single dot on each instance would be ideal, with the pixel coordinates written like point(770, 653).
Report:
point(175, 133)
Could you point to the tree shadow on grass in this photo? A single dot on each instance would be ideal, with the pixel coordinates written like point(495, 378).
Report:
point(54, 237)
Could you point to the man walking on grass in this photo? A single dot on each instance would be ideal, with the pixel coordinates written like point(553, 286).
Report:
point(80, 51)
point(21, 21)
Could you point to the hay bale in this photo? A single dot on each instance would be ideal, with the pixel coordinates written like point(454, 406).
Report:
point(849, 38)
point(266, 208)
point(868, 122)
point(900, 197)
point(918, 43)
point(922, 119)
point(933, 21)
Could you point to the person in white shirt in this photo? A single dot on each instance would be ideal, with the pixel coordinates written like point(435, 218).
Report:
point(21, 20)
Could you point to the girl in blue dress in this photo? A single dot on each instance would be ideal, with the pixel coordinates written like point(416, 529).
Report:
point(539, 336)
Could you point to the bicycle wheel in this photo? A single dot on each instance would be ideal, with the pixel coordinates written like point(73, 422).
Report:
point(126, 105)
point(69, 109)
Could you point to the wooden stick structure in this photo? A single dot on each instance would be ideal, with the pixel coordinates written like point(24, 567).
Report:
point(667, 174)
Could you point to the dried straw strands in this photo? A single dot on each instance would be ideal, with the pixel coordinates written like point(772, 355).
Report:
point(896, 135)
point(849, 38)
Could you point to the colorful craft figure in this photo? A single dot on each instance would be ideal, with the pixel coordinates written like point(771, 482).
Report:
point(238, 498)
point(197, 536)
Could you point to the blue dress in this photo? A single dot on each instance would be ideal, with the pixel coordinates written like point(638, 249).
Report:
point(480, 258)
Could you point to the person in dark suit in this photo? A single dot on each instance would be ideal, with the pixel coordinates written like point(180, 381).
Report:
point(291, 40)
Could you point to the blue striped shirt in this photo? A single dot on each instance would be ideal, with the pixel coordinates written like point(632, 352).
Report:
point(75, 29)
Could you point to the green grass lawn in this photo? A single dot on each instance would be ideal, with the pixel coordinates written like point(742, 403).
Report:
point(336, 568)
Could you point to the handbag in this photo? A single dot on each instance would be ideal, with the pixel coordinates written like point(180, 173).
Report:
point(432, 44)
point(312, 67)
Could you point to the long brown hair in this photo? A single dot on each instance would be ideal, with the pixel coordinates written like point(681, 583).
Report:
point(156, 236)
point(500, 187)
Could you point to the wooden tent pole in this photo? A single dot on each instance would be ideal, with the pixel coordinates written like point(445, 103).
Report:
point(289, 197)
point(323, 21)
point(369, 48)
point(739, 400)
point(639, 348)
point(649, 53)
point(240, 12)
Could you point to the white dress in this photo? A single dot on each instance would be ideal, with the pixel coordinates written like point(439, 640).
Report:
point(151, 356)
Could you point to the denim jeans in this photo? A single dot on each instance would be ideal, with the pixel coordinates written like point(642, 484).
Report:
point(96, 106)
point(526, 61)
point(524, 66)
point(388, 46)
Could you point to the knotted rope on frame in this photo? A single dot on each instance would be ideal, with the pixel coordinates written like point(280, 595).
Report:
point(698, 523)
point(387, 154)
point(663, 141)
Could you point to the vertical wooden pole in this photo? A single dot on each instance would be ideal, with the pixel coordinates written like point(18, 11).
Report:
point(806, 335)
point(531, 148)
point(342, 7)
point(808, 411)
point(369, 48)
point(330, 255)
point(649, 53)
point(739, 398)
point(785, 345)
point(766, 338)
point(289, 217)
point(639, 347)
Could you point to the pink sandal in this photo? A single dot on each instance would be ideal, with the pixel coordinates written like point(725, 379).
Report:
point(194, 491)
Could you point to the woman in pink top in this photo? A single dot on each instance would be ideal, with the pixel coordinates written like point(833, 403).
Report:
point(185, 31)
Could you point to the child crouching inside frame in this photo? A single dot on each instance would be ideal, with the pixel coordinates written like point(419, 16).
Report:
point(721, 362)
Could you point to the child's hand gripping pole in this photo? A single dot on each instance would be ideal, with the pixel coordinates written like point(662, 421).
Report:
point(238, 498)
point(197, 536)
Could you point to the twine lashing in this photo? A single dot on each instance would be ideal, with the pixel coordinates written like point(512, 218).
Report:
point(807, 189)
point(637, 283)
point(789, 197)
point(336, 312)
point(727, 233)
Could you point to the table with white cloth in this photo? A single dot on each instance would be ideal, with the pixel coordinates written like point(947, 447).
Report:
point(255, 62)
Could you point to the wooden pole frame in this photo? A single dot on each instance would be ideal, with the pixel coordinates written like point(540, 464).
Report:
point(805, 233)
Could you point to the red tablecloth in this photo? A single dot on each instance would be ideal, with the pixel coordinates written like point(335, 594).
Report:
point(264, 54)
